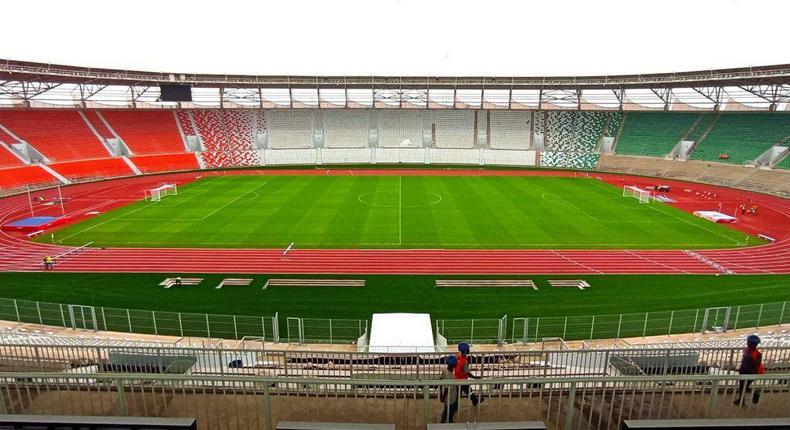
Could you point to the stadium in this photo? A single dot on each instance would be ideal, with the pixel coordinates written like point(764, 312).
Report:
point(263, 251)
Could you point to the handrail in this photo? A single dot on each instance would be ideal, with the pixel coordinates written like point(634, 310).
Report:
point(328, 353)
point(386, 382)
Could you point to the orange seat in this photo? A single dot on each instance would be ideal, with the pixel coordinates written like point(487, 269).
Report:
point(18, 177)
point(87, 169)
point(147, 132)
point(166, 162)
point(61, 135)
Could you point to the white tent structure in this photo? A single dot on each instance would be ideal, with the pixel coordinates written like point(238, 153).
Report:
point(401, 332)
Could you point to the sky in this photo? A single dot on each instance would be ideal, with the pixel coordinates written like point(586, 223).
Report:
point(399, 37)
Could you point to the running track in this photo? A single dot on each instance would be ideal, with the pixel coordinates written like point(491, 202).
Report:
point(19, 254)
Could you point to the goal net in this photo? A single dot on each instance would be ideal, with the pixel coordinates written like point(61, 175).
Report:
point(156, 194)
point(644, 196)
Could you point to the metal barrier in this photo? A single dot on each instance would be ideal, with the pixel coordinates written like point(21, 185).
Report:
point(649, 323)
point(402, 366)
point(348, 331)
point(236, 402)
point(491, 330)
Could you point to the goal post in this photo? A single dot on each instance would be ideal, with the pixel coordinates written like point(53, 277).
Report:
point(156, 194)
point(644, 196)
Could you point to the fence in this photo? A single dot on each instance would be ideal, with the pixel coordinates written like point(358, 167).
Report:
point(325, 330)
point(237, 402)
point(322, 330)
point(649, 323)
point(403, 366)
point(473, 330)
point(184, 324)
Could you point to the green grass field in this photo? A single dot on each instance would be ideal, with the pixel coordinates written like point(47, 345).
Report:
point(610, 295)
point(399, 212)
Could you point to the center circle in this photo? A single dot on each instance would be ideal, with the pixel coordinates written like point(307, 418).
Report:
point(396, 199)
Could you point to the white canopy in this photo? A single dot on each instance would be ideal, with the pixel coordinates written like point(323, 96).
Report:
point(401, 332)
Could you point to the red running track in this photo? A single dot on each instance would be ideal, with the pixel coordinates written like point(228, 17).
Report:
point(19, 254)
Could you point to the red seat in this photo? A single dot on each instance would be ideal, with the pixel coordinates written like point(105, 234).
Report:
point(7, 159)
point(147, 132)
point(166, 162)
point(86, 169)
point(61, 135)
point(18, 177)
point(98, 124)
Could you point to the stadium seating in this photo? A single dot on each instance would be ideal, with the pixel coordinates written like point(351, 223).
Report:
point(400, 155)
point(16, 177)
point(93, 169)
point(7, 159)
point(400, 129)
point(146, 132)
point(60, 135)
point(784, 164)
point(228, 136)
point(98, 124)
point(743, 136)
point(290, 129)
point(509, 158)
point(653, 134)
point(166, 162)
point(454, 156)
point(290, 156)
point(569, 160)
point(346, 128)
point(345, 156)
point(454, 128)
point(701, 125)
point(509, 129)
point(572, 131)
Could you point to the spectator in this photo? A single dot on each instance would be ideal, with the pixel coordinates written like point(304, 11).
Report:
point(462, 372)
point(449, 394)
point(751, 364)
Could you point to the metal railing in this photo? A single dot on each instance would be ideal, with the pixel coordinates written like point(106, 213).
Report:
point(588, 327)
point(348, 331)
point(234, 402)
point(183, 324)
point(401, 366)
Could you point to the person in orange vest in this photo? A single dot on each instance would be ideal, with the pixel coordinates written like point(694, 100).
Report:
point(751, 364)
point(462, 372)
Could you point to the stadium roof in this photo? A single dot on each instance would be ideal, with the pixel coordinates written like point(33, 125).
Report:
point(41, 72)
point(29, 84)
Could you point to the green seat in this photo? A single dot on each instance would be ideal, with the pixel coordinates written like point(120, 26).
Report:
point(654, 134)
point(743, 136)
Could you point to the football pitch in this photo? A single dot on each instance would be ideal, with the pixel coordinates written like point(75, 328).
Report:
point(399, 212)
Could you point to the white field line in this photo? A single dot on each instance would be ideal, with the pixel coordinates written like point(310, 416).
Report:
point(232, 201)
point(575, 262)
point(400, 210)
point(61, 239)
point(543, 196)
point(651, 206)
point(655, 261)
point(695, 225)
point(466, 246)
